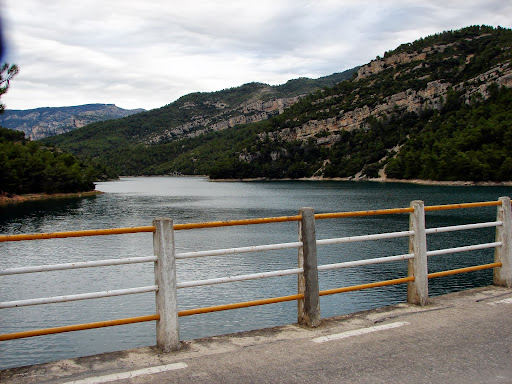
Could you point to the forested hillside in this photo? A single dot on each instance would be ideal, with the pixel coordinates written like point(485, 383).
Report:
point(468, 142)
point(439, 108)
point(192, 115)
point(28, 167)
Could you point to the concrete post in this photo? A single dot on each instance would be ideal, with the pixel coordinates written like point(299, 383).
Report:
point(503, 275)
point(308, 308)
point(167, 328)
point(417, 290)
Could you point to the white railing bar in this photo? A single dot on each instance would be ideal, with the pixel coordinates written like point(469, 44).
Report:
point(220, 280)
point(80, 264)
point(358, 263)
point(81, 296)
point(462, 227)
point(229, 251)
point(464, 249)
point(377, 236)
point(133, 260)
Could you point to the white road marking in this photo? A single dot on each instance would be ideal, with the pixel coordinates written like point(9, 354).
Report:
point(504, 301)
point(361, 331)
point(130, 374)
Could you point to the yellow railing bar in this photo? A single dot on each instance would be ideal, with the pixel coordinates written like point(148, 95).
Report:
point(78, 327)
point(245, 304)
point(228, 223)
point(404, 210)
point(366, 286)
point(463, 270)
point(463, 205)
point(225, 307)
point(119, 231)
point(90, 232)
point(362, 213)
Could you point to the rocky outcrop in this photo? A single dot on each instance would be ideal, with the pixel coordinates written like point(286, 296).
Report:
point(378, 65)
point(225, 117)
point(44, 122)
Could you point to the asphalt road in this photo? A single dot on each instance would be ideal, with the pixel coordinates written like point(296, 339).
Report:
point(457, 338)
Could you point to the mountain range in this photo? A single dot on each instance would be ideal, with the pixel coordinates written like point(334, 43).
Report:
point(437, 108)
point(43, 122)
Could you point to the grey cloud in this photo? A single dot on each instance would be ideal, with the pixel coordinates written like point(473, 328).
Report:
point(146, 54)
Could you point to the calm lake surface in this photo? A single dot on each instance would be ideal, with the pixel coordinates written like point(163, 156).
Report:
point(137, 201)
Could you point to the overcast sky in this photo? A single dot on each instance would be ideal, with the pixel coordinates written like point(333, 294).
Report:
point(148, 53)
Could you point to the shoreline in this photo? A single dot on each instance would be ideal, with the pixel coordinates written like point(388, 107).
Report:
point(383, 180)
point(15, 199)
point(375, 180)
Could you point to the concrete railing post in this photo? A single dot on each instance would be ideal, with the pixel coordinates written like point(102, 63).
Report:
point(308, 308)
point(167, 328)
point(503, 254)
point(417, 290)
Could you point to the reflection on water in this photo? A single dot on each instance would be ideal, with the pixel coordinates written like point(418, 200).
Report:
point(137, 201)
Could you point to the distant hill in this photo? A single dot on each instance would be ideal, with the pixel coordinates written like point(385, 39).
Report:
point(193, 115)
point(43, 122)
point(438, 108)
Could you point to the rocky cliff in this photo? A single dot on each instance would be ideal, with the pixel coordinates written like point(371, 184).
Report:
point(225, 116)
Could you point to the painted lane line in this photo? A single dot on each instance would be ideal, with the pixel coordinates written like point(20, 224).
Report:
point(504, 301)
point(361, 331)
point(130, 374)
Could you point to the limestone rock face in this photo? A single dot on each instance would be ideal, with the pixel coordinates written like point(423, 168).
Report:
point(225, 117)
point(410, 100)
point(378, 65)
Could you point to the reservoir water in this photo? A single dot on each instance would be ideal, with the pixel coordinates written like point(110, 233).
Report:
point(137, 201)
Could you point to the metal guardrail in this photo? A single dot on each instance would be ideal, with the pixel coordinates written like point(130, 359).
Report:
point(308, 296)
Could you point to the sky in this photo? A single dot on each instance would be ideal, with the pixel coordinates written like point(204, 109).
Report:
point(146, 54)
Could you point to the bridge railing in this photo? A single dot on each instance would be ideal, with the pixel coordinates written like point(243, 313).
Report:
point(165, 260)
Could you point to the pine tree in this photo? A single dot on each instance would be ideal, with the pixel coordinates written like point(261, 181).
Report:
point(7, 72)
